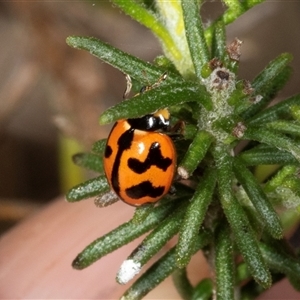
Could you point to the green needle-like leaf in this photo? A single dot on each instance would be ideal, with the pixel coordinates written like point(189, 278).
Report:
point(219, 41)
point(159, 271)
point(242, 273)
point(157, 238)
point(126, 63)
point(193, 219)
point(268, 82)
point(267, 155)
point(279, 111)
point(195, 35)
point(87, 189)
point(274, 139)
point(120, 236)
point(235, 9)
point(89, 161)
point(281, 176)
point(99, 147)
point(259, 199)
point(195, 153)
point(224, 265)
point(287, 127)
point(244, 236)
point(203, 290)
point(161, 97)
point(273, 69)
point(280, 261)
point(182, 284)
point(149, 20)
point(142, 212)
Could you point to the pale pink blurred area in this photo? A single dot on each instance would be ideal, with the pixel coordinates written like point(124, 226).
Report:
point(36, 257)
point(281, 291)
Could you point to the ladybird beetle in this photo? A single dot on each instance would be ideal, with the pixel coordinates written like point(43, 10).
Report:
point(140, 159)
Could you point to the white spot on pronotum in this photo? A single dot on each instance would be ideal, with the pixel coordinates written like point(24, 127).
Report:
point(128, 270)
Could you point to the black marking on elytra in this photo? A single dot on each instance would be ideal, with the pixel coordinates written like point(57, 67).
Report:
point(154, 158)
point(124, 143)
point(144, 189)
point(108, 151)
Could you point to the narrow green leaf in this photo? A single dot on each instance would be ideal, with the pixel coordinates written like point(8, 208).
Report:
point(288, 127)
point(263, 172)
point(89, 161)
point(240, 98)
point(203, 290)
point(195, 153)
point(266, 155)
point(219, 41)
point(251, 213)
point(274, 139)
point(153, 242)
point(278, 179)
point(141, 212)
point(120, 236)
point(195, 35)
point(264, 79)
point(244, 236)
point(295, 112)
point(267, 83)
point(280, 110)
point(259, 199)
point(182, 284)
point(166, 64)
point(242, 273)
point(99, 147)
point(158, 272)
point(247, 243)
point(126, 63)
point(151, 278)
point(225, 276)
point(236, 8)
point(106, 199)
point(280, 261)
point(250, 3)
point(183, 189)
point(161, 97)
point(171, 15)
point(193, 219)
point(151, 21)
point(87, 189)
